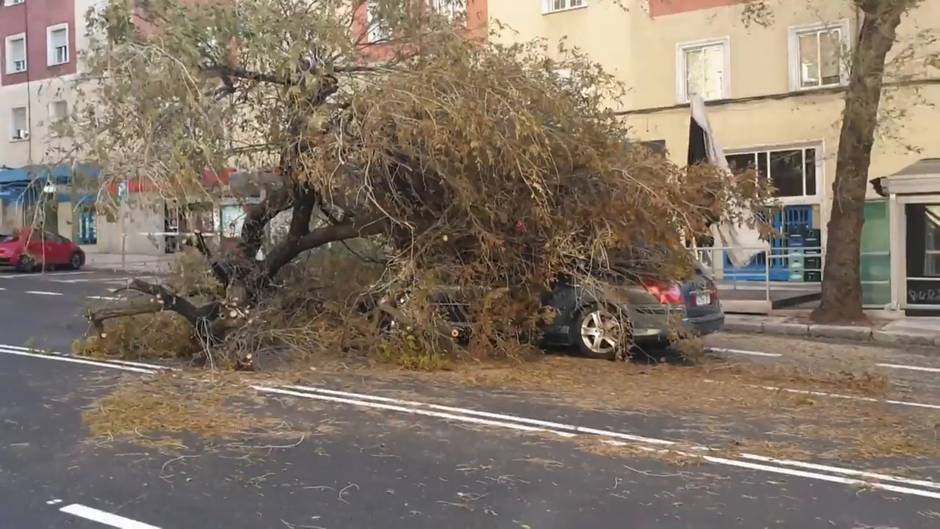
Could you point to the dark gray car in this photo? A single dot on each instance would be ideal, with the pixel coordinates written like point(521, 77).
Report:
point(600, 317)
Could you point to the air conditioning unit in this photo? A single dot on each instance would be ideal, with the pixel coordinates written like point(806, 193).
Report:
point(21, 134)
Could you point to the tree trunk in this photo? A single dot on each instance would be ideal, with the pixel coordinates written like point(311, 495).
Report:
point(842, 286)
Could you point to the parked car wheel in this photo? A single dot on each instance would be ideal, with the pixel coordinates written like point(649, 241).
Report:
point(601, 332)
point(26, 264)
point(76, 261)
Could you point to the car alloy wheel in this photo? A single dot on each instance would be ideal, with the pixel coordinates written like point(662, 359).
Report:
point(76, 261)
point(601, 332)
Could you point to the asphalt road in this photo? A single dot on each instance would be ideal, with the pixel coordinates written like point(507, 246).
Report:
point(384, 463)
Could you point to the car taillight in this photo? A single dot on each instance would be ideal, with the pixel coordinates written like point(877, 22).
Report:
point(665, 293)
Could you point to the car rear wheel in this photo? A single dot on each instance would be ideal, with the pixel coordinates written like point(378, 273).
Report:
point(601, 332)
point(76, 261)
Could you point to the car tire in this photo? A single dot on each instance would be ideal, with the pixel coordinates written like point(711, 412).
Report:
point(601, 332)
point(76, 261)
point(26, 264)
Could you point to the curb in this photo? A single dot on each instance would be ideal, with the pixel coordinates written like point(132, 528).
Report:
point(841, 332)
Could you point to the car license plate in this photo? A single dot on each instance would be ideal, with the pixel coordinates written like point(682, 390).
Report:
point(703, 298)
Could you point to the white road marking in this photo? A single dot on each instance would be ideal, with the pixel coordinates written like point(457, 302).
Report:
point(846, 471)
point(743, 352)
point(103, 298)
point(53, 354)
point(489, 415)
point(63, 358)
point(413, 411)
point(910, 368)
point(837, 395)
point(104, 518)
point(42, 276)
point(822, 477)
point(43, 293)
point(514, 422)
point(1, 288)
point(70, 281)
point(54, 502)
point(526, 424)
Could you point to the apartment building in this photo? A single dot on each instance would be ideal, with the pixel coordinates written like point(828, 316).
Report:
point(773, 86)
point(40, 43)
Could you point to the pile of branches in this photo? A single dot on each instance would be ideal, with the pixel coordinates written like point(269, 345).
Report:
point(484, 167)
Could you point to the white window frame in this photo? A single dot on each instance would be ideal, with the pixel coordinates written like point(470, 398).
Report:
point(9, 3)
point(818, 145)
point(9, 60)
point(548, 6)
point(50, 51)
point(682, 72)
point(793, 45)
point(12, 131)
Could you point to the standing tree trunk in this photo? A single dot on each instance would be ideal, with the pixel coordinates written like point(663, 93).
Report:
point(842, 285)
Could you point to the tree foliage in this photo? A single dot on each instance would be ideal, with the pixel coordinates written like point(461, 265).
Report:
point(470, 162)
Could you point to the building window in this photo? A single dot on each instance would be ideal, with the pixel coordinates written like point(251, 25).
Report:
point(376, 28)
point(232, 218)
point(58, 113)
point(704, 69)
point(19, 124)
point(791, 171)
point(13, 2)
point(16, 53)
point(817, 55)
point(57, 44)
point(552, 6)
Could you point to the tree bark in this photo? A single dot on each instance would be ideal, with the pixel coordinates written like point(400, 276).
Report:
point(842, 287)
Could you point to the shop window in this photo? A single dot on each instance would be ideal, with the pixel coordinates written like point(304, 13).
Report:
point(87, 226)
point(923, 254)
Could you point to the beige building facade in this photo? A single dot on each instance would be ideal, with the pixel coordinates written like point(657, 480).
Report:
point(773, 83)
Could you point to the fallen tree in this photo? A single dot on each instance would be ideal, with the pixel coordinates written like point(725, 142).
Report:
point(469, 163)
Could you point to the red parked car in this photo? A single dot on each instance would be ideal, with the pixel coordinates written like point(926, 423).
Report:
point(27, 251)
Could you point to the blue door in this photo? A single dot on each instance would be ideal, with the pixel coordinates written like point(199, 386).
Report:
point(784, 221)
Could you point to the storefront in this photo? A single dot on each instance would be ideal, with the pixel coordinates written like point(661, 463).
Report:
point(914, 225)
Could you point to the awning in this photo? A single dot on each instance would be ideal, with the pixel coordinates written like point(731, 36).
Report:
point(60, 174)
point(921, 177)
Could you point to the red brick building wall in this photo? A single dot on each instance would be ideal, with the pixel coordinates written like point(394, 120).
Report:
point(33, 17)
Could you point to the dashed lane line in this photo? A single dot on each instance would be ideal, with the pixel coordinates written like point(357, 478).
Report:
point(743, 352)
point(43, 293)
point(721, 350)
point(910, 368)
point(837, 395)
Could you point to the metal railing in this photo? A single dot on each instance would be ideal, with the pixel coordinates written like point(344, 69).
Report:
point(763, 265)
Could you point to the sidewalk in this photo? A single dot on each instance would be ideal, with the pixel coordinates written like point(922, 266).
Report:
point(151, 264)
point(884, 329)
